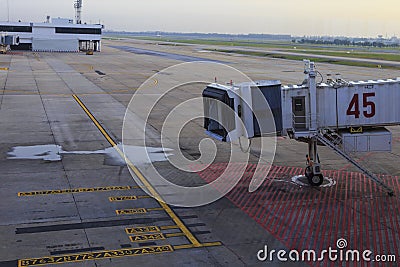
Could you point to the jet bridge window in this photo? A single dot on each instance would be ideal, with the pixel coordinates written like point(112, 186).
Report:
point(8, 28)
point(298, 105)
point(69, 30)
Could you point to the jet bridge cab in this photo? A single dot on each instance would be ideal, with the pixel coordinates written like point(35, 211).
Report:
point(257, 107)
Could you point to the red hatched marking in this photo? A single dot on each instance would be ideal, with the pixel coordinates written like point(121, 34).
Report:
point(259, 213)
point(355, 209)
point(253, 200)
point(13, 53)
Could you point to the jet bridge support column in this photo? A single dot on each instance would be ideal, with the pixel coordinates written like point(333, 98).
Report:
point(313, 169)
point(312, 87)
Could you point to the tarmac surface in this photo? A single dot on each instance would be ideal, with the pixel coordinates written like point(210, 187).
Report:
point(68, 196)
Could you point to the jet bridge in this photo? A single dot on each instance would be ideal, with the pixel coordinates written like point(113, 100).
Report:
point(347, 116)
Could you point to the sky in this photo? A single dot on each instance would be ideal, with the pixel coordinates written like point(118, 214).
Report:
point(356, 18)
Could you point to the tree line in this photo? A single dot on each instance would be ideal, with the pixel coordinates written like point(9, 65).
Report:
point(345, 42)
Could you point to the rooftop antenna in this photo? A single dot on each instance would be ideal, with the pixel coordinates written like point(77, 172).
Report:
point(78, 11)
point(8, 11)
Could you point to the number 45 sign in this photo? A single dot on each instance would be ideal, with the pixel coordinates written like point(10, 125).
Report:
point(369, 107)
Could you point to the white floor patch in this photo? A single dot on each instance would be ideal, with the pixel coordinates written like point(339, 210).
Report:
point(302, 181)
point(136, 154)
point(44, 152)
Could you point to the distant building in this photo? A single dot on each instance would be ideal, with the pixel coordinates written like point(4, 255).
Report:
point(59, 35)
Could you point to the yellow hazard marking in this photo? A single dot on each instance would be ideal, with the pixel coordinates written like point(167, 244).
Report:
point(126, 198)
point(212, 244)
point(95, 255)
point(131, 211)
point(356, 130)
point(3, 68)
point(77, 190)
point(139, 175)
point(147, 237)
point(144, 229)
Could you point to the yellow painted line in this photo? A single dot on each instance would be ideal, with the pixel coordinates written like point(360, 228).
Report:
point(3, 68)
point(155, 83)
point(131, 211)
point(143, 229)
point(167, 227)
point(174, 235)
point(146, 183)
point(88, 66)
point(107, 93)
point(23, 92)
point(155, 209)
point(71, 258)
point(36, 55)
point(126, 198)
point(147, 237)
point(19, 91)
point(183, 246)
point(77, 190)
point(213, 244)
point(101, 129)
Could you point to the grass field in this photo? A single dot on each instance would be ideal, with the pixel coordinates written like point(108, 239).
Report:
point(288, 46)
point(277, 44)
point(309, 49)
point(300, 58)
point(352, 54)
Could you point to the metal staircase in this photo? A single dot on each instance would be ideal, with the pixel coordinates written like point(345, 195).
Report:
point(334, 141)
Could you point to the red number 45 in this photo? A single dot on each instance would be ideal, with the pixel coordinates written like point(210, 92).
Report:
point(354, 107)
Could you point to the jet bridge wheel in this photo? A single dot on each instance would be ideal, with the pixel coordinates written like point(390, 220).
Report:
point(313, 179)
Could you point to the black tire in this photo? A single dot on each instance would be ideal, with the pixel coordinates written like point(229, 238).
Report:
point(308, 172)
point(316, 180)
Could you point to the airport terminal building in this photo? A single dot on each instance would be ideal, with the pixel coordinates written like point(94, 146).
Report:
point(59, 35)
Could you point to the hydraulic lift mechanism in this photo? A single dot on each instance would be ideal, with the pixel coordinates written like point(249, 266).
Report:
point(348, 117)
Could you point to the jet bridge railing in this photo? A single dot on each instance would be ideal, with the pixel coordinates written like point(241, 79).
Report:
point(335, 142)
point(302, 123)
